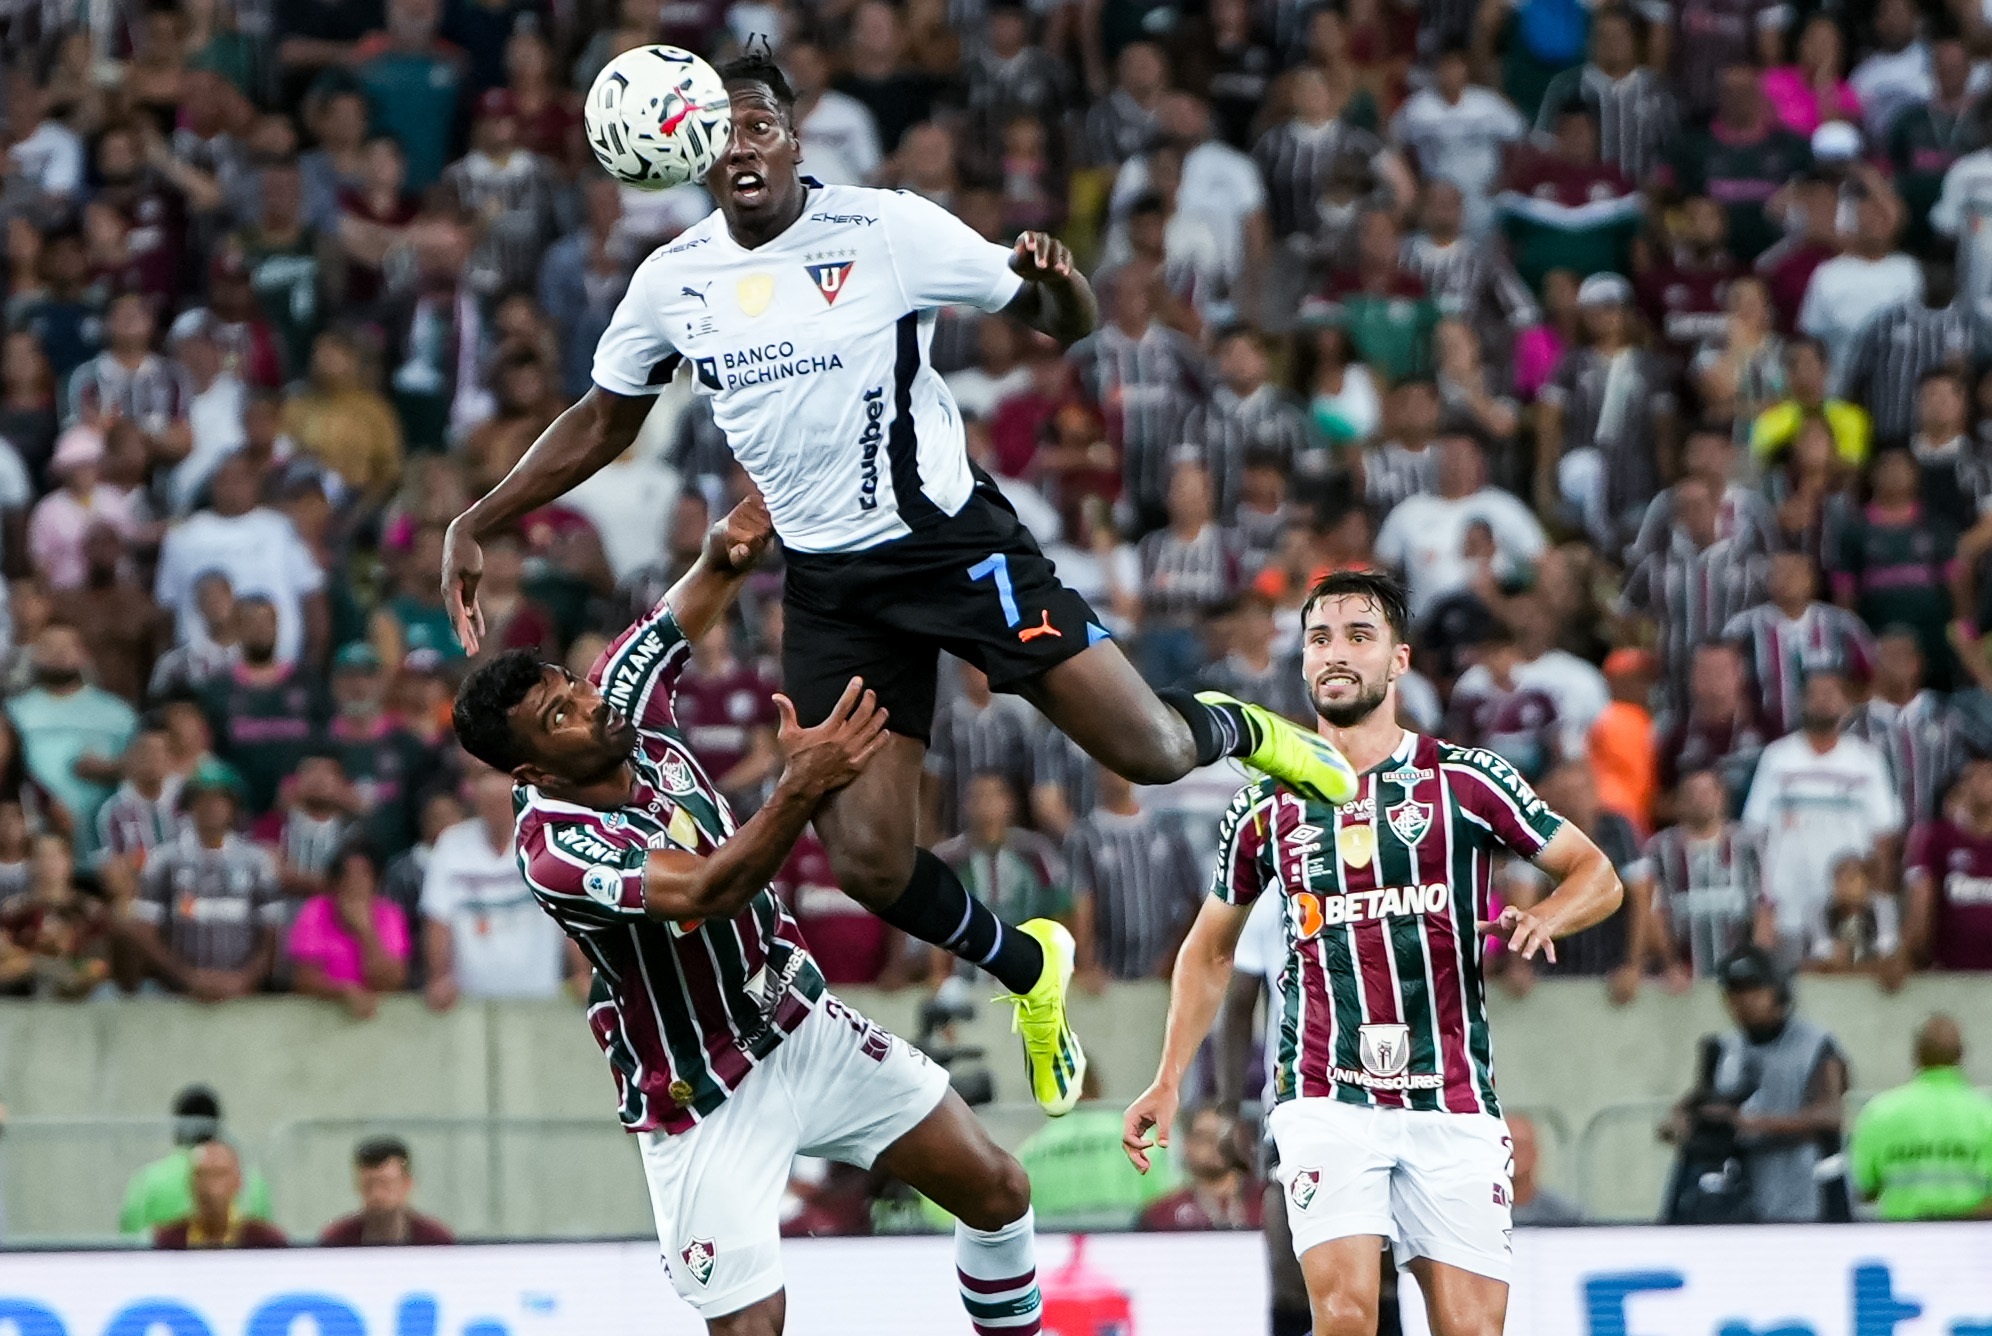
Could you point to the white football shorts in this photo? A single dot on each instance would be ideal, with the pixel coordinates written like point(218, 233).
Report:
point(1435, 1185)
point(840, 1087)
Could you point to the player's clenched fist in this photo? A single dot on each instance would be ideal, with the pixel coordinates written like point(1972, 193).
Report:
point(736, 541)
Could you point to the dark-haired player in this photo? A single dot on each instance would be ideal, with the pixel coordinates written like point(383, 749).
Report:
point(1386, 1123)
point(730, 1056)
point(805, 312)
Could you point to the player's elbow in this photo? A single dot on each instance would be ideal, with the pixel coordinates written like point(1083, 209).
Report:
point(1611, 892)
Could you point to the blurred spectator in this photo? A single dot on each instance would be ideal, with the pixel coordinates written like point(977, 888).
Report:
point(1870, 276)
point(209, 909)
point(386, 765)
point(1923, 1151)
point(1697, 585)
point(70, 731)
point(1220, 1194)
point(1427, 537)
point(413, 82)
point(310, 824)
point(216, 1221)
point(1741, 512)
point(583, 274)
point(1895, 561)
point(292, 270)
point(852, 944)
point(1458, 132)
point(1909, 725)
point(1405, 462)
point(217, 402)
point(878, 76)
point(63, 519)
point(482, 933)
point(1614, 949)
point(1956, 482)
point(257, 550)
point(188, 667)
point(122, 628)
point(1018, 873)
point(1531, 1204)
point(1469, 281)
point(1123, 119)
point(348, 944)
point(383, 1174)
point(144, 812)
point(1742, 156)
point(1816, 797)
point(1384, 306)
point(162, 1191)
point(509, 190)
point(1708, 894)
point(1080, 1176)
point(1564, 207)
point(55, 932)
point(265, 712)
point(840, 130)
point(1260, 663)
point(1188, 573)
point(1492, 709)
point(1896, 73)
point(1682, 293)
point(348, 427)
point(412, 618)
point(726, 712)
point(1136, 884)
point(1930, 135)
point(1620, 741)
point(1606, 419)
point(1947, 879)
point(1778, 1084)
point(1636, 113)
point(1777, 427)
point(1899, 347)
point(1785, 640)
point(1718, 730)
point(1813, 89)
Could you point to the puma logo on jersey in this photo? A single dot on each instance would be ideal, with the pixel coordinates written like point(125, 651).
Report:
point(1043, 628)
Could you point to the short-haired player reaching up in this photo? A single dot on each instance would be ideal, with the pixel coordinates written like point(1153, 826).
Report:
point(730, 1055)
point(805, 312)
point(1386, 1124)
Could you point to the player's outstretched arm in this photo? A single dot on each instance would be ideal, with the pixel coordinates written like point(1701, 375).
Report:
point(573, 448)
point(1056, 299)
point(678, 885)
point(1196, 991)
point(1587, 891)
point(733, 545)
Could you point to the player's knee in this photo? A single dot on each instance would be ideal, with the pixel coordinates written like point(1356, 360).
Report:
point(1343, 1312)
point(872, 868)
point(1005, 1196)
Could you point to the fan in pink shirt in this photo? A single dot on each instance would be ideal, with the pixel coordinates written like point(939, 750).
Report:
point(1814, 89)
point(350, 945)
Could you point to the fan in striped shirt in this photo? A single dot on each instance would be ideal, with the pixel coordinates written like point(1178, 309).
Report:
point(1792, 636)
point(1891, 354)
point(1910, 726)
point(1637, 115)
point(1245, 416)
point(144, 813)
point(1696, 585)
point(1467, 279)
point(1316, 153)
point(1708, 887)
point(730, 1055)
point(1135, 884)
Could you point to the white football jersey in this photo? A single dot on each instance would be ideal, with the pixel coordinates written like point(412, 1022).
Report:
point(814, 350)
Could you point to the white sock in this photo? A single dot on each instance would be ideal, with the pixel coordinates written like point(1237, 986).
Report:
point(997, 1272)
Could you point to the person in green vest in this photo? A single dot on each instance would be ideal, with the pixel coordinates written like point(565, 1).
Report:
point(1923, 1151)
point(1080, 1174)
point(163, 1191)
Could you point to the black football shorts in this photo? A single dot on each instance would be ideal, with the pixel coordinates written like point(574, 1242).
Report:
point(976, 585)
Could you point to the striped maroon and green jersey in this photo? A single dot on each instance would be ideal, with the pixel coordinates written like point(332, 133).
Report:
point(1384, 1002)
point(684, 1011)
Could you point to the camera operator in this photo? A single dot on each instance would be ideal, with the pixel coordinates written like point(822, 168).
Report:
point(1760, 1134)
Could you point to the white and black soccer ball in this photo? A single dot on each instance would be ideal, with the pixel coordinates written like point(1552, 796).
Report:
point(657, 117)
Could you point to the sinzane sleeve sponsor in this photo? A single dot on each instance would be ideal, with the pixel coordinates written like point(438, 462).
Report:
point(638, 673)
point(581, 874)
point(1493, 794)
point(1244, 845)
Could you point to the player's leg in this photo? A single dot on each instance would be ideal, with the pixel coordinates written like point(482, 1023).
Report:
point(875, 1101)
point(950, 1159)
point(1343, 1277)
point(869, 828)
point(1334, 1167)
point(1291, 1314)
point(1459, 1302)
point(1449, 1199)
point(765, 1318)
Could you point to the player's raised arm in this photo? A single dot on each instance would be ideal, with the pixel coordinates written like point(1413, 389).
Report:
point(679, 886)
point(1056, 299)
point(1587, 891)
point(573, 448)
point(732, 547)
point(1196, 991)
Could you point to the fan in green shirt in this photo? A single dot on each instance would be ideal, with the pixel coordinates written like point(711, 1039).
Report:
point(1923, 1151)
point(163, 1191)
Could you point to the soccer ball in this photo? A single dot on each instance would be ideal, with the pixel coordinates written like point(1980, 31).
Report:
point(657, 116)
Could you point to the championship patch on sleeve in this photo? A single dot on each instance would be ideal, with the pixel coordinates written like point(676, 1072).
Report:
point(603, 884)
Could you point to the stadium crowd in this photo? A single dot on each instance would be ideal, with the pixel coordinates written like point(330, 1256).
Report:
point(1644, 342)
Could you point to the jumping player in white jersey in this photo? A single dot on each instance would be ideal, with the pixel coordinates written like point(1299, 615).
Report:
point(805, 312)
point(730, 1055)
point(1385, 1121)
